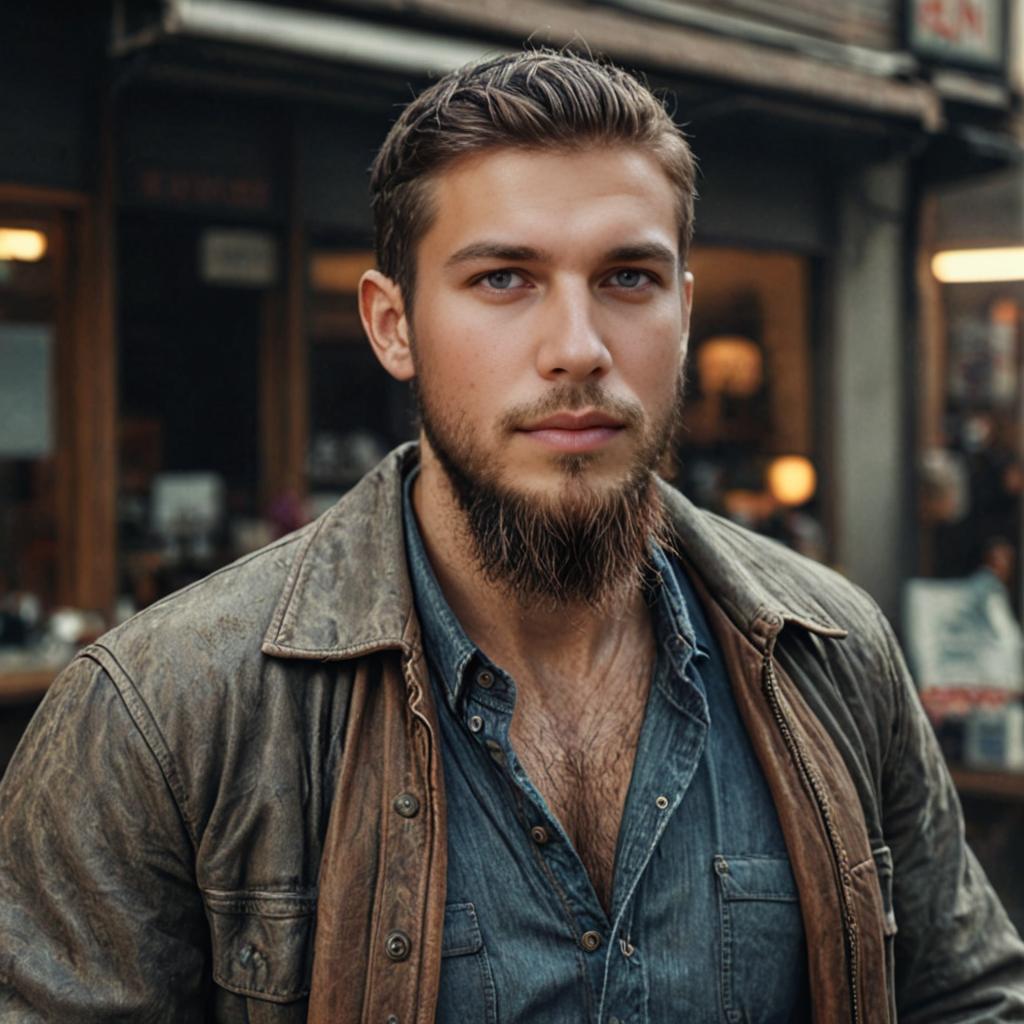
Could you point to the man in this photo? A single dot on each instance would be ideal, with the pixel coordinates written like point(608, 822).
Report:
point(513, 732)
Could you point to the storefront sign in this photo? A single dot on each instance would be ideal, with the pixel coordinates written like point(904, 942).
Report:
point(960, 32)
point(192, 154)
point(189, 188)
point(237, 257)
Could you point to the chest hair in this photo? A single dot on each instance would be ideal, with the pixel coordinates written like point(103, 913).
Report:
point(580, 757)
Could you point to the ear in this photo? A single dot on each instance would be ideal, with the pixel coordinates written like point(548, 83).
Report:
point(383, 314)
point(686, 300)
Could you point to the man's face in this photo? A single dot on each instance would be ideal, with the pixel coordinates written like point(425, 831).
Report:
point(550, 318)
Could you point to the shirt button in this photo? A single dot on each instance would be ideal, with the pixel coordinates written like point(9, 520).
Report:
point(407, 805)
point(485, 679)
point(494, 747)
point(539, 834)
point(398, 946)
point(661, 802)
point(476, 723)
point(590, 941)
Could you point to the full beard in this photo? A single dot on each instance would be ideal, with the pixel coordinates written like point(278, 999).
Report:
point(584, 546)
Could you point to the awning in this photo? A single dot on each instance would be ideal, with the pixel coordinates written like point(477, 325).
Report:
point(625, 36)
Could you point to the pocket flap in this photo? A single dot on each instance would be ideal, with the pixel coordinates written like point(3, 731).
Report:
point(755, 877)
point(461, 930)
point(262, 943)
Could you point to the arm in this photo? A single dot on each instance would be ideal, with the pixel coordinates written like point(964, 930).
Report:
point(100, 917)
point(958, 957)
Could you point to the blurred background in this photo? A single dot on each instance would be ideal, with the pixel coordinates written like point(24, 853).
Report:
point(183, 377)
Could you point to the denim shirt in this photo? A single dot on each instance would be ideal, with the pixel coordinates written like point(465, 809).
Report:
point(704, 924)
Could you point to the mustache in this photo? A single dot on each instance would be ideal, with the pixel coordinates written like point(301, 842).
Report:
point(572, 397)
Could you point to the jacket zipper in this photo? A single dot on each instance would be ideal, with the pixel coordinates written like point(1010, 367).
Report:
point(771, 689)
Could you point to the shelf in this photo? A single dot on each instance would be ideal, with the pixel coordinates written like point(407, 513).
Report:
point(996, 785)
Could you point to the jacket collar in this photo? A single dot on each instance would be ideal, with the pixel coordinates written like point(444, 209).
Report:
point(348, 591)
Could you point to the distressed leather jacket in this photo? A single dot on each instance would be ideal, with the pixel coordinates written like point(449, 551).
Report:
point(231, 808)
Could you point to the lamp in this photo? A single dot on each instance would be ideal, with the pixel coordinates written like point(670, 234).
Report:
point(730, 364)
point(979, 266)
point(792, 480)
point(22, 244)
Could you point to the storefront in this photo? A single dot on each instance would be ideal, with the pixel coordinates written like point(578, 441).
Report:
point(191, 316)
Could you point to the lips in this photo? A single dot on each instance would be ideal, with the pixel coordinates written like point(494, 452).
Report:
point(576, 421)
point(574, 432)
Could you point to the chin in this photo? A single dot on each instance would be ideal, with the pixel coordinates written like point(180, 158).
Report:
point(566, 477)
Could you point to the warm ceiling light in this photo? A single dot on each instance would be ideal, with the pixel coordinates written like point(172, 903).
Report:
point(730, 365)
point(22, 244)
point(792, 480)
point(970, 266)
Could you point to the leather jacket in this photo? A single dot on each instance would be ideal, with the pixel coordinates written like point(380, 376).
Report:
point(231, 808)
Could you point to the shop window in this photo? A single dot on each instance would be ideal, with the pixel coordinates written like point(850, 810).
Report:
point(198, 302)
point(748, 448)
point(28, 500)
point(357, 411)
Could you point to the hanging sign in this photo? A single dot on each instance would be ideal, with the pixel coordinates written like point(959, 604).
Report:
point(238, 257)
point(969, 33)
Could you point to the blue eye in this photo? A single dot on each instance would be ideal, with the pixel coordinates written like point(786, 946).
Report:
point(630, 278)
point(502, 280)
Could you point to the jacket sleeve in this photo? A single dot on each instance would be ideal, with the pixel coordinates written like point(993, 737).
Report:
point(958, 957)
point(100, 917)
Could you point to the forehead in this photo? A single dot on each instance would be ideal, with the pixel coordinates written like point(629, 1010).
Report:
point(558, 201)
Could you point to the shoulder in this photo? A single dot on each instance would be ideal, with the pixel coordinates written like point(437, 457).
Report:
point(212, 626)
point(774, 577)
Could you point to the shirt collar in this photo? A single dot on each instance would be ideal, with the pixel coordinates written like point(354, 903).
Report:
point(451, 652)
point(445, 643)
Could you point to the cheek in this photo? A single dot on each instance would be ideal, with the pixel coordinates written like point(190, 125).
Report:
point(652, 362)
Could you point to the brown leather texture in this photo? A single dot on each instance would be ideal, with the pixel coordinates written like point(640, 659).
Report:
point(394, 888)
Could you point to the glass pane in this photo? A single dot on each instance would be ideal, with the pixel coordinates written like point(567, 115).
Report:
point(748, 446)
point(193, 311)
point(28, 530)
point(357, 412)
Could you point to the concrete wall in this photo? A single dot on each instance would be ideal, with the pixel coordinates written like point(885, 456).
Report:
point(868, 383)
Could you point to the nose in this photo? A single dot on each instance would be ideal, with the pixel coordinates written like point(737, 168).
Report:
point(571, 344)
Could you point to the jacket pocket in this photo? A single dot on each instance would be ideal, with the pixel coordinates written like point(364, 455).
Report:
point(467, 991)
point(262, 943)
point(762, 950)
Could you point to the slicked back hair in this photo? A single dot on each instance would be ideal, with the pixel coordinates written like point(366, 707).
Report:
point(538, 99)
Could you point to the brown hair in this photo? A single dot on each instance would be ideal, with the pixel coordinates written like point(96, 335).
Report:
point(537, 99)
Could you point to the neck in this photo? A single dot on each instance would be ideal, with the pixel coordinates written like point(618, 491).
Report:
point(529, 639)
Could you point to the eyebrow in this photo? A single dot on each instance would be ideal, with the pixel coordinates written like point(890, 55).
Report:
point(643, 251)
point(496, 251)
point(527, 254)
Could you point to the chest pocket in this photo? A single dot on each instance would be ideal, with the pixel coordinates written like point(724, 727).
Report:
point(467, 985)
point(262, 950)
point(762, 949)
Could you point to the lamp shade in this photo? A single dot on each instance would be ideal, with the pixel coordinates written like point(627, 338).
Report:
point(792, 480)
point(730, 364)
